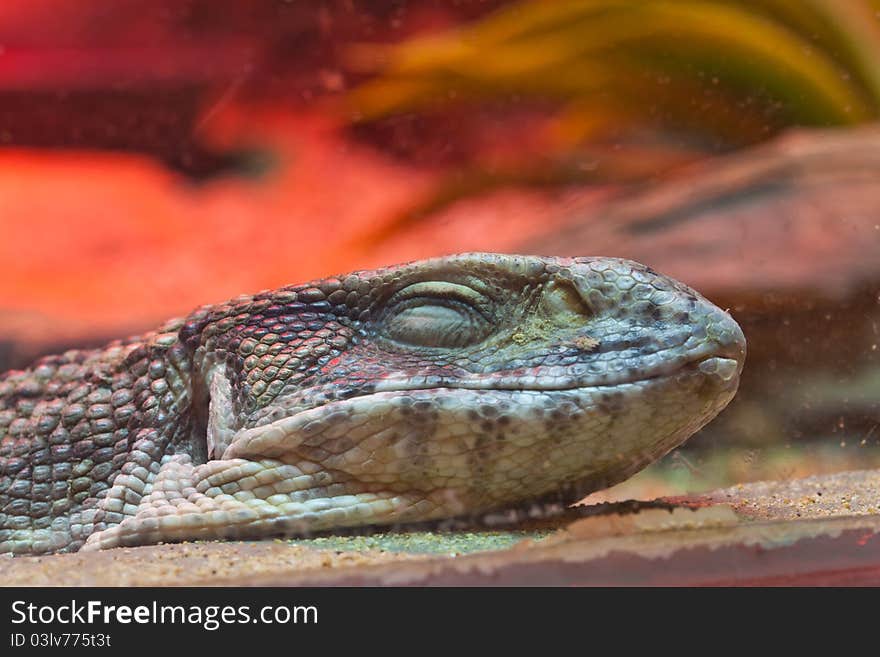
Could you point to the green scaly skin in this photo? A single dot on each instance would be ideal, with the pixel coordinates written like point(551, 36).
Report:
point(457, 385)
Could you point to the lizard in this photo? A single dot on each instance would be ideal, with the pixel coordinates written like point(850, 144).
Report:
point(453, 385)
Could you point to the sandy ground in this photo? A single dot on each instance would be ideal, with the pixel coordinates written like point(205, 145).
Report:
point(185, 564)
point(824, 496)
point(825, 515)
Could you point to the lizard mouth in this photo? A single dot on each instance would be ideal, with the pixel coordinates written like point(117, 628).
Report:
point(333, 419)
point(573, 378)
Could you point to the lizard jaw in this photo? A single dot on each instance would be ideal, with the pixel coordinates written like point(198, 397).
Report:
point(491, 444)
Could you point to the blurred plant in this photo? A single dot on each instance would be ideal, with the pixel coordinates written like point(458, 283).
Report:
point(726, 73)
point(790, 62)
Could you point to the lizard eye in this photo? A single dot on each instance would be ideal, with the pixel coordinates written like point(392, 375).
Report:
point(440, 315)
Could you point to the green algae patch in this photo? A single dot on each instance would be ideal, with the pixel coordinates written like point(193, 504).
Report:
point(424, 542)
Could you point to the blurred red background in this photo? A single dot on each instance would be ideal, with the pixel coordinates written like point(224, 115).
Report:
point(156, 156)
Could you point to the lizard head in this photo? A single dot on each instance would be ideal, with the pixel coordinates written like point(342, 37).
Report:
point(462, 383)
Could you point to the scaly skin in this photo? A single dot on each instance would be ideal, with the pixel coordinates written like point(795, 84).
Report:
point(424, 391)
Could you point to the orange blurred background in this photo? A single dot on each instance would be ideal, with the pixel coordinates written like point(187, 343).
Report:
point(157, 156)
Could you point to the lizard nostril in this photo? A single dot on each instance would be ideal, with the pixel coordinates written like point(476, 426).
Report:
point(563, 303)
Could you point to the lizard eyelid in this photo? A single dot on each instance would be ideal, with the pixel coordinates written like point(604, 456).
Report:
point(443, 290)
point(436, 315)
